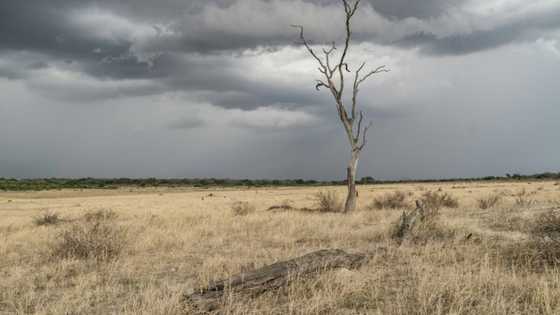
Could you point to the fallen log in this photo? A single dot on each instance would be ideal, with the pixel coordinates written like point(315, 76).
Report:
point(273, 277)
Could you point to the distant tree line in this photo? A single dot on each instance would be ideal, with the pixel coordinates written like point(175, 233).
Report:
point(12, 184)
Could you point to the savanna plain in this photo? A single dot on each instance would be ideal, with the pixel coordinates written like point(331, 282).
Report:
point(487, 248)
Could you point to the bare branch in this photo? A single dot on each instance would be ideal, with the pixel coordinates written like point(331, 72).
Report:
point(320, 84)
point(377, 70)
point(327, 58)
point(355, 91)
point(331, 49)
point(306, 44)
point(350, 11)
point(364, 136)
point(359, 129)
point(360, 68)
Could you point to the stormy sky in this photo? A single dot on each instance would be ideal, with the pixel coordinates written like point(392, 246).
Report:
point(220, 88)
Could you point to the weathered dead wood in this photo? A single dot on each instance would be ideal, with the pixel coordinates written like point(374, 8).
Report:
point(273, 277)
point(334, 79)
point(408, 221)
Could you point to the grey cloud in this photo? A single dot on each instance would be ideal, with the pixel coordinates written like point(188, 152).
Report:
point(249, 96)
point(45, 27)
point(11, 74)
point(191, 27)
point(147, 89)
point(187, 123)
point(401, 9)
point(471, 127)
point(120, 67)
point(170, 58)
point(526, 28)
point(87, 90)
point(220, 81)
point(253, 97)
point(16, 66)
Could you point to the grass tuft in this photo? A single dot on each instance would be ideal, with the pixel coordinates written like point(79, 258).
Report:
point(522, 199)
point(100, 215)
point(488, 202)
point(242, 208)
point(47, 218)
point(395, 200)
point(542, 249)
point(547, 225)
point(420, 229)
point(437, 200)
point(96, 237)
point(328, 202)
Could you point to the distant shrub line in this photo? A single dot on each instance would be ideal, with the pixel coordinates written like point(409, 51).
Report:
point(11, 184)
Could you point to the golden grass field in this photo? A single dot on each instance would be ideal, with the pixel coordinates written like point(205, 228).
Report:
point(177, 240)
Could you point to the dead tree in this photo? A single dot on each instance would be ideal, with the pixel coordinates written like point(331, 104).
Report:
point(333, 79)
point(273, 277)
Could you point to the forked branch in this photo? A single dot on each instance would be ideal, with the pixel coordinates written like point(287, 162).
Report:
point(357, 136)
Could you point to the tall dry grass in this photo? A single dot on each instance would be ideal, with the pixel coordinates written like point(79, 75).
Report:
point(328, 201)
point(393, 200)
point(174, 241)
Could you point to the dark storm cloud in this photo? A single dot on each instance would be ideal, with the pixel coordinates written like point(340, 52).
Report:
point(98, 38)
point(255, 96)
point(48, 27)
point(8, 72)
point(45, 27)
point(526, 28)
point(208, 80)
point(401, 9)
point(177, 27)
point(187, 123)
point(49, 30)
point(219, 82)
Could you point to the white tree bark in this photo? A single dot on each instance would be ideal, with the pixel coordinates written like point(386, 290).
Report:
point(351, 171)
point(351, 120)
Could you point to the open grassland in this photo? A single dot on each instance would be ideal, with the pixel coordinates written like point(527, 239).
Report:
point(59, 254)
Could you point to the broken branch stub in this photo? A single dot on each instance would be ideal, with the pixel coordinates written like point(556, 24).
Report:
point(408, 221)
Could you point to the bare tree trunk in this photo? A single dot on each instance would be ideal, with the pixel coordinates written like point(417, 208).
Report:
point(351, 172)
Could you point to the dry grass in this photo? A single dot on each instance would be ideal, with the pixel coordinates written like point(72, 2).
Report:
point(523, 199)
point(427, 228)
point(490, 201)
point(438, 200)
point(507, 220)
point(547, 225)
point(545, 235)
point(100, 216)
point(394, 200)
point(284, 205)
point(327, 202)
point(541, 250)
point(47, 218)
point(174, 241)
point(96, 237)
point(242, 208)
